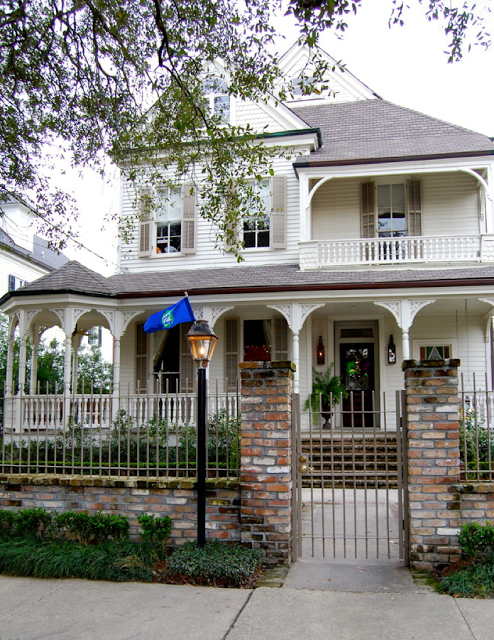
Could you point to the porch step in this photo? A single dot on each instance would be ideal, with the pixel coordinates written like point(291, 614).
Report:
point(364, 462)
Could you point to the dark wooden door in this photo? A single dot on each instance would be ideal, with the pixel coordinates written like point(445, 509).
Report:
point(357, 372)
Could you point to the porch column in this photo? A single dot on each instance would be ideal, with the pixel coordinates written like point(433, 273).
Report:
point(66, 365)
point(404, 312)
point(76, 345)
point(22, 365)
point(296, 360)
point(9, 374)
point(34, 362)
point(116, 367)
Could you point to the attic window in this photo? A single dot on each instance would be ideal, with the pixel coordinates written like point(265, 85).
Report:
point(216, 94)
point(301, 85)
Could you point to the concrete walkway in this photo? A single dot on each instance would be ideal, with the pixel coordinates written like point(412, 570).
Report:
point(33, 609)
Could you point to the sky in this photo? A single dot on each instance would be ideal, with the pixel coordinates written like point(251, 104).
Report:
point(404, 65)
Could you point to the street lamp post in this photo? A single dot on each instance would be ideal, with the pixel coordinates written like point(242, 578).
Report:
point(202, 341)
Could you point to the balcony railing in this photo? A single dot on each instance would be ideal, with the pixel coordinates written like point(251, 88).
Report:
point(392, 251)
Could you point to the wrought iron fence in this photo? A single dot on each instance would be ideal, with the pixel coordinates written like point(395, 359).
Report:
point(101, 435)
point(476, 430)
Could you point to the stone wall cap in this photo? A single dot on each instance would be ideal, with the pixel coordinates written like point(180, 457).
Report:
point(268, 364)
point(430, 364)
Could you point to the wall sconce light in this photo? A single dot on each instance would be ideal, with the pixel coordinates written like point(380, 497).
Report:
point(391, 351)
point(320, 351)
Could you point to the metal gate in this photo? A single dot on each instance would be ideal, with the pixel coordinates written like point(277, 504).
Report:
point(350, 484)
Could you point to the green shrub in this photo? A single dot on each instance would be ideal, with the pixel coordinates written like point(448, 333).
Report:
point(155, 530)
point(7, 523)
point(92, 529)
point(233, 563)
point(477, 541)
point(33, 523)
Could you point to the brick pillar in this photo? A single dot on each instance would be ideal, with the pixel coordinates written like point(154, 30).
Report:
point(266, 475)
point(432, 412)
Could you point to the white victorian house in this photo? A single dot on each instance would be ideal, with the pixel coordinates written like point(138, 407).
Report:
point(377, 246)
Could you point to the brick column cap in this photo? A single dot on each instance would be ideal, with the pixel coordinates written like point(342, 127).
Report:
point(268, 364)
point(430, 364)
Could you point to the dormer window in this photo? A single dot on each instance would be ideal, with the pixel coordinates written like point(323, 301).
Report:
point(216, 95)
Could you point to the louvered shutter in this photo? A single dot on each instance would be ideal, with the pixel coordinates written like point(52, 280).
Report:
point(367, 210)
point(231, 352)
point(11, 283)
point(414, 208)
point(278, 213)
point(280, 339)
point(229, 242)
point(186, 362)
point(141, 364)
point(146, 224)
point(188, 218)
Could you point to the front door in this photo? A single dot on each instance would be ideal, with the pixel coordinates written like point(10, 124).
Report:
point(357, 372)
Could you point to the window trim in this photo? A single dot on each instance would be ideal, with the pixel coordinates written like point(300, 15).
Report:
point(451, 343)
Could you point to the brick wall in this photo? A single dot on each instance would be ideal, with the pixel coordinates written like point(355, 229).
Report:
point(476, 501)
point(432, 411)
point(266, 477)
point(130, 497)
point(256, 511)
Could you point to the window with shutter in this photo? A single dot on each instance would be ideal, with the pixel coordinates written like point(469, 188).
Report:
point(231, 352)
point(141, 358)
point(168, 221)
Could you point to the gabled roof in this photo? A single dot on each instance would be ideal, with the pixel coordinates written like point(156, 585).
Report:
point(376, 131)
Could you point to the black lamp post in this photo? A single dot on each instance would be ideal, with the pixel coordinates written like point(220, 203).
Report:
point(202, 341)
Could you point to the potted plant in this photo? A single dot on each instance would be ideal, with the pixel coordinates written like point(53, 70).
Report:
point(327, 391)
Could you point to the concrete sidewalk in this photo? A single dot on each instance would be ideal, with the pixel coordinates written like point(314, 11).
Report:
point(33, 609)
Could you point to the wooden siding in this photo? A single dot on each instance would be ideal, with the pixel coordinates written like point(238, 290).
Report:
point(449, 201)
point(207, 255)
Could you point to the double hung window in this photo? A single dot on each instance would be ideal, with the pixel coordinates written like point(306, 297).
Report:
point(169, 220)
point(391, 215)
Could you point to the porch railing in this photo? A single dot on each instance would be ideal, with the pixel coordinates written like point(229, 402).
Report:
point(386, 251)
point(144, 435)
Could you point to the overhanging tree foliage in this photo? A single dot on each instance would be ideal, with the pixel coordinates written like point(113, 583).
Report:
point(83, 78)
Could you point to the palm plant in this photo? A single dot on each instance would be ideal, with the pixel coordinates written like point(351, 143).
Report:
point(327, 391)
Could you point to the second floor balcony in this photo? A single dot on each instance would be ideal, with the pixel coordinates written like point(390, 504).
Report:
point(321, 254)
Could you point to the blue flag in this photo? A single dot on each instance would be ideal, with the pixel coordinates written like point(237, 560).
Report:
point(171, 316)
